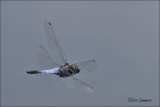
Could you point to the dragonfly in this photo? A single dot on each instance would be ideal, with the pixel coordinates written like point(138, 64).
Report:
point(56, 63)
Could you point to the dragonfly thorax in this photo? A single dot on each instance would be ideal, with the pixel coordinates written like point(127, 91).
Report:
point(68, 70)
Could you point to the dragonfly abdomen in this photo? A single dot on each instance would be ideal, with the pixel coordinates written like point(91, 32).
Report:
point(50, 71)
point(33, 72)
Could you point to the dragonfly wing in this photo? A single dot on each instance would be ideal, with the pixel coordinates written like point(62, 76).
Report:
point(57, 52)
point(86, 66)
point(44, 59)
point(74, 83)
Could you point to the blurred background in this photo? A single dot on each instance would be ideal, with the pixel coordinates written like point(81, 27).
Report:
point(122, 36)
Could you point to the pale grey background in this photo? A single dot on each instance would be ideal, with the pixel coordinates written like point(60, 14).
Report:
point(121, 36)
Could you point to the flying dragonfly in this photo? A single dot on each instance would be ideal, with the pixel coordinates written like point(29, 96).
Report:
point(56, 62)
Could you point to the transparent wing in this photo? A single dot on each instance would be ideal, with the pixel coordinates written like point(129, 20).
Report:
point(86, 66)
point(74, 83)
point(57, 52)
point(44, 59)
point(45, 62)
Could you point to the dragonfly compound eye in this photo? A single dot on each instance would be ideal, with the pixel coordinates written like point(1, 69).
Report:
point(77, 70)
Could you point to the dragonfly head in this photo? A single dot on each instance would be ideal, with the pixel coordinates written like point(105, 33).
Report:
point(76, 70)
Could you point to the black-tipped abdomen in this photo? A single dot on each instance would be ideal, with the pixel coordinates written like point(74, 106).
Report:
point(33, 72)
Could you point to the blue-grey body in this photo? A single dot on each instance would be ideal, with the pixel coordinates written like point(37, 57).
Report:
point(50, 71)
point(63, 71)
